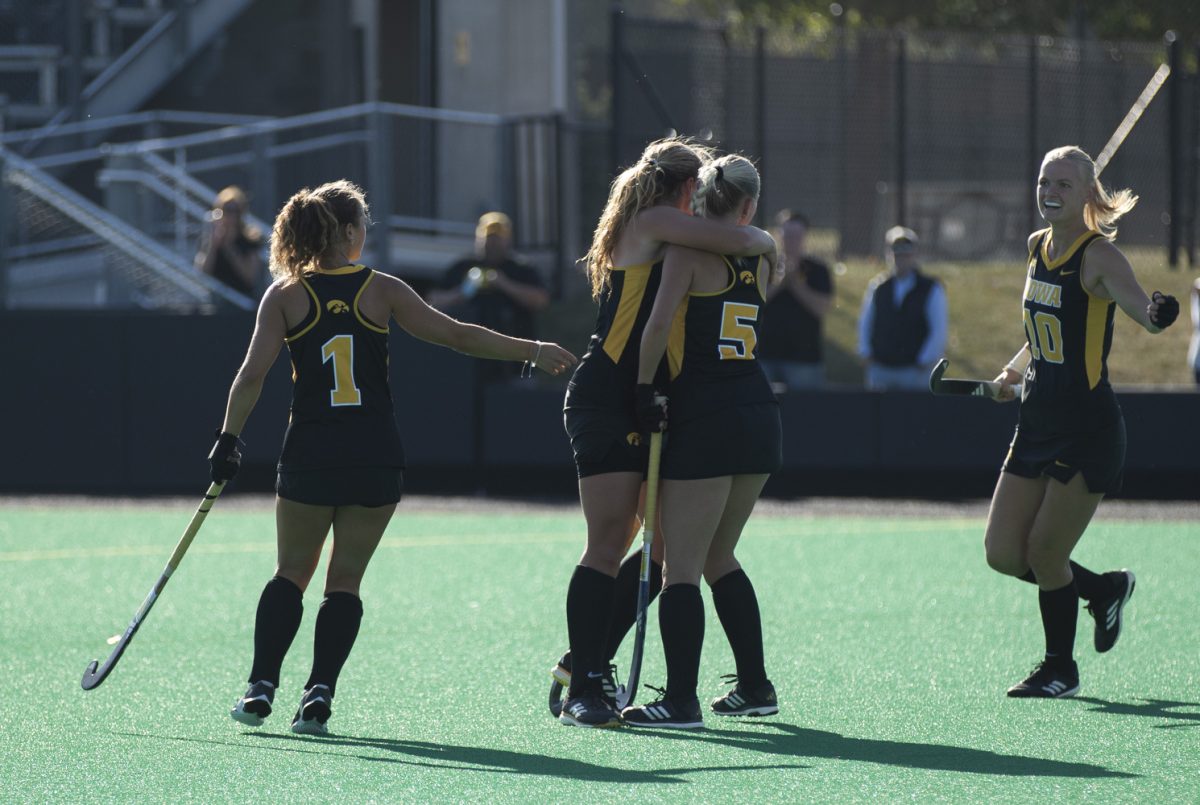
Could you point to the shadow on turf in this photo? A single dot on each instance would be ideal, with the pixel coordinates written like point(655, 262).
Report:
point(1152, 708)
point(499, 761)
point(794, 741)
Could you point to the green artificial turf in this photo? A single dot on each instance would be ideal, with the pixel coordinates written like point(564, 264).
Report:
point(889, 641)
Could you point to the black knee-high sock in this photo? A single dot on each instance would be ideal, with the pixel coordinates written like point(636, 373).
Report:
point(589, 602)
point(337, 628)
point(681, 621)
point(276, 622)
point(737, 608)
point(1088, 585)
point(1060, 611)
point(624, 604)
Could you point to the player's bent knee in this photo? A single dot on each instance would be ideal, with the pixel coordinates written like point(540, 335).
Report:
point(1010, 563)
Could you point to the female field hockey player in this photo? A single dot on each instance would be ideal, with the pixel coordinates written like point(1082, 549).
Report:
point(725, 440)
point(342, 462)
point(1069, 447)
point(648, 207)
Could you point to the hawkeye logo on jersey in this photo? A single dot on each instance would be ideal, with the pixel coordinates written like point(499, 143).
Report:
point(1043, 293)
point(747, 277)
point(337, 306)
point(634, 438)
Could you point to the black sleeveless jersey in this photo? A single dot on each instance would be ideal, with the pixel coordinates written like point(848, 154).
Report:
point(1070, 334)
point(342, 412)
point(712, 349)
point(607, 373)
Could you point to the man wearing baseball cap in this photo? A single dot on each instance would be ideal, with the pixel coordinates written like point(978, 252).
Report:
point(903, 325)
point(492, 286)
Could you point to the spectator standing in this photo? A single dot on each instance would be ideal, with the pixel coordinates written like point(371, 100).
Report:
point(904, 320)
point(230, 248)
point(792, 349)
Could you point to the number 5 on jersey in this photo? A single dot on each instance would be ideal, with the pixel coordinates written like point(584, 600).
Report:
point(738, 338)
point(340, 350)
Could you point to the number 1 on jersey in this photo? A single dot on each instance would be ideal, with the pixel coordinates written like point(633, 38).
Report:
point(340, 350)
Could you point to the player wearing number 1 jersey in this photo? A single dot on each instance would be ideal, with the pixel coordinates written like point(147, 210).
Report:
point(723, 442)
point(1069, 447)
point(341, 462)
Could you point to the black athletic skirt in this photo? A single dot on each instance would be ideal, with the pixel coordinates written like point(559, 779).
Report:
point(345, 486)
point(605, 441)
point(742, 440)
point(1099, 454)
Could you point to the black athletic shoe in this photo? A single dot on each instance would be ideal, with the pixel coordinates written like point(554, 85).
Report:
point(255, 704)
point(561, 674)
point(588, 710)
point(741, 702)
point(1049, 680)
point(665, 714)
point(1107, 610)
point(314, 711)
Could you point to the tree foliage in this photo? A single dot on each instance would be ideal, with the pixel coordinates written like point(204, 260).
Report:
point(1112, 19)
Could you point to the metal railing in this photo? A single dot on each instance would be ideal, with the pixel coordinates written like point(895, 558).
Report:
point(58, 249)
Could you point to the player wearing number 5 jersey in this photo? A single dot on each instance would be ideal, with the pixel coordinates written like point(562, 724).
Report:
point(341, 462)
point(1069, 447)
point(723, 442)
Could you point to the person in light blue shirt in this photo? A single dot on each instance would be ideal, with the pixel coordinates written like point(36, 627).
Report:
point(904, 321)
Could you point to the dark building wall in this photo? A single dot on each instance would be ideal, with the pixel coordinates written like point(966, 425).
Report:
point(108, 403)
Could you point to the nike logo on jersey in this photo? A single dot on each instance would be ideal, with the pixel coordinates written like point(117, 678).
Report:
point(1069, 273)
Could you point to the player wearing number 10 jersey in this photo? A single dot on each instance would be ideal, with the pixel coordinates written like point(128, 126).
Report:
point(341, 460)
point(1069, 447)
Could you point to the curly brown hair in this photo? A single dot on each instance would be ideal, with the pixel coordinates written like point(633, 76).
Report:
point(309, 224)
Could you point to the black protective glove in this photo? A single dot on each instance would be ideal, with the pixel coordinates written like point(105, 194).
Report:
point(1168, 310)
point(650, 409)
point(225, 458)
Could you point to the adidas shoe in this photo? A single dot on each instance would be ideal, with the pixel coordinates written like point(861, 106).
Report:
point(255, 704)
point(665, 714)
point(742, 702)
point(1049, 680)
point(313, 712)
point(588, 710)
point(1107, 610)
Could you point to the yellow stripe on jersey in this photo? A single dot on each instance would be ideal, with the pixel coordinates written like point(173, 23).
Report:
point(316, 306)
point(1052, 265)
point(1093, 337)
point(358, 313)
point(677, 340)
point(733, 278)
point(763, 269)
point(632, 290)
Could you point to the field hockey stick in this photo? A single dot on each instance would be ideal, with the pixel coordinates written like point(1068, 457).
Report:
point(1131, 117)
point(626, 693)
point(957, 387)
point(93, 676)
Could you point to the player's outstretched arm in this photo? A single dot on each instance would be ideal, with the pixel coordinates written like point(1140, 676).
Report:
point(1110, 274)
point(422, 321)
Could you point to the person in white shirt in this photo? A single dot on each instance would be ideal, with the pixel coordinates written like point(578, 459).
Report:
point(904, 321)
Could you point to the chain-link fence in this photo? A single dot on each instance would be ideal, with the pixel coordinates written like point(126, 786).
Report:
point(943, 132)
